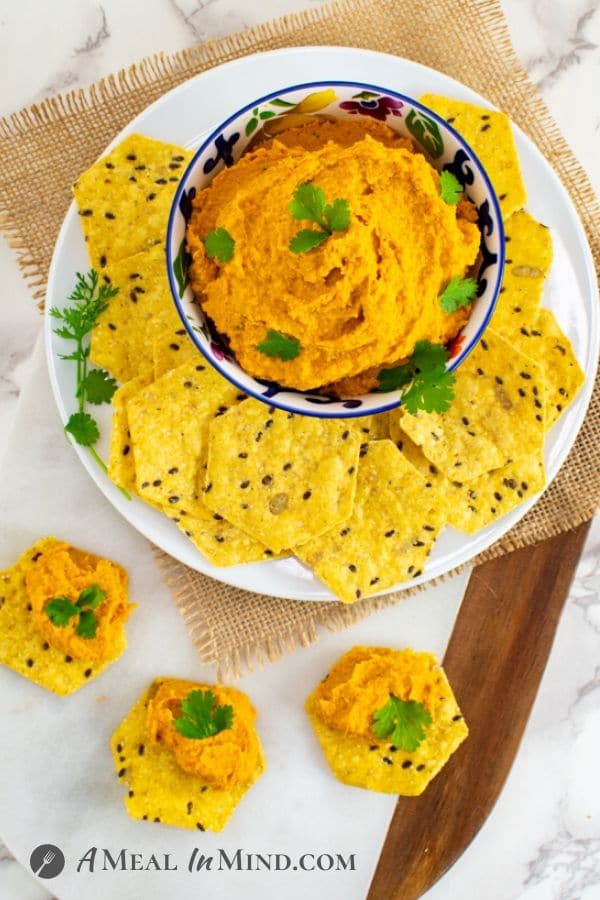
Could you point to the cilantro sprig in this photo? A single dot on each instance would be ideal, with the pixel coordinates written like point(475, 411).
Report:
point(308, 204)
point(89, 300)
point(219, 244)
point(61, 610)
point(424, 380)
point(403, 722)
point(202, 717)
point(281, 345)
point(450, 188)
point(458, 292)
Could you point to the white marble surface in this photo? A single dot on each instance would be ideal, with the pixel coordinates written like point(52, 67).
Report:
point(543, 839)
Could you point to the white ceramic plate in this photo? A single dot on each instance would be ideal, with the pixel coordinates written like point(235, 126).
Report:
point(184, 116)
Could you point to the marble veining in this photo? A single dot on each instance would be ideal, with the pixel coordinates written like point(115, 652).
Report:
point(543, 840)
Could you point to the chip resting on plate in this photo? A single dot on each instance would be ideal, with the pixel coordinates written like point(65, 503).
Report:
point(497, 415)
point(121, 463)
point(280, 477)
point(490, 135)
point(528, 260)
point(222, 543)
point(370, 428)
point(389, 534)
point(139, 315)
point(545, 342)
point(196, 776)
point(171, 347)
point(168, 423)
point(474, 504)
point(124, 199)
point(62, 612)
point(387, 720)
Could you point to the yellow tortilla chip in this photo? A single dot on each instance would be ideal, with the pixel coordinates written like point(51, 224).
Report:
point(380, 766)
point(497, 415)
point(121, 463)
point(371, 428)
point(490, 135)
point(528, 260)
point(159, 790)
point(388, 536)
point(171, 348)
point(474, 504)
point(24, 648)
point(221, 542)
point(124, 198)
point(169, 422)
point(280, 477)
point(142, 311)
point(545, 342)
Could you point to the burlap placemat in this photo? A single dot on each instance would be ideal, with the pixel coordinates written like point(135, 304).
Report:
point(43, 149)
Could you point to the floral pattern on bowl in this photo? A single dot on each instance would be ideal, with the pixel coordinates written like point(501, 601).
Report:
point(292, 106)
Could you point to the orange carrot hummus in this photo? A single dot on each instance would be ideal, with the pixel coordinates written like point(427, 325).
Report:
point(361, 299)
point(64, 572)
point(223, 760)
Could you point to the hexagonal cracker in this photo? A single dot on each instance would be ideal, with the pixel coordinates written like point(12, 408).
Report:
point(377, 765)
point(280, 477)
point(159, 790)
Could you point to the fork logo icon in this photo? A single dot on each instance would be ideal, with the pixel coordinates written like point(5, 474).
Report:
point(47, 861)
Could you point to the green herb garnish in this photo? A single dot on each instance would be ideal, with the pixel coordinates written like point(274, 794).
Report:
point(201, 716)
point(450, 188)
point(280, 345)
point(403, 722)
point(308, 204)
point(424, 380)
point(89, 300)
point(458, 292)
point(61, 610)
point(219, 244)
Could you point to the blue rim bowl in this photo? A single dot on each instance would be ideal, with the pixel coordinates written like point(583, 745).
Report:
point(443, 147)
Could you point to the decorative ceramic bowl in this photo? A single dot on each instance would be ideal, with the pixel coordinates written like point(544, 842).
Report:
point(444, 148)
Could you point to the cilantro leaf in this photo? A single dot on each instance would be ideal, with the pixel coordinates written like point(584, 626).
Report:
point(60, 611)
point(280, 345)
point(98, 387)
point(201, 717)
point(403, 721)
point(458, 292)
point(431, 393)
point(83, 428)
point(427, 356)
point(394, 379)
point(91, 597)
point(219, 244)
point(89, 299)
point(426, 382)
point(87, 625)
point(306, 240)
point(337, 215)
point(308, 203)
point(450, 188)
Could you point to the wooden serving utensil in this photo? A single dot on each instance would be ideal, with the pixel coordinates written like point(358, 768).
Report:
point(495, 661)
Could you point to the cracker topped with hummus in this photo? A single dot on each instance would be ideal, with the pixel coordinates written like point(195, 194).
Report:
point(62, 615)
point(343, 249)
point(387, 720)
point(188, 753)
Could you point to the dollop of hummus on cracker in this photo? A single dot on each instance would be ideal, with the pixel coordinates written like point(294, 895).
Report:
point(222, 760)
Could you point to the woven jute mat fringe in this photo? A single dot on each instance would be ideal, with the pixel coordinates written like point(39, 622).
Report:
point(44, 147)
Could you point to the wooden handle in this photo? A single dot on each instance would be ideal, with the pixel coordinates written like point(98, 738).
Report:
point(495, 661)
